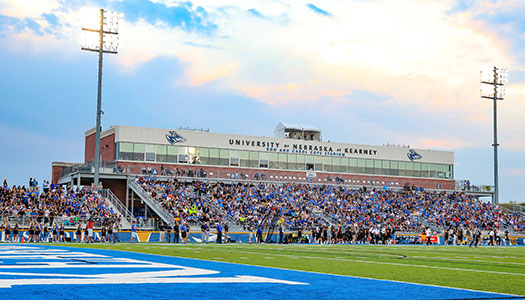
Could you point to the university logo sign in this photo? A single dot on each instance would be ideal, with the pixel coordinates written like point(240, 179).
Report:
point(174, 137)
point(413, 155)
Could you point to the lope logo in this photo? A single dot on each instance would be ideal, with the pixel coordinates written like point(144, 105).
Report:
point(174, 137)
point(413, 155)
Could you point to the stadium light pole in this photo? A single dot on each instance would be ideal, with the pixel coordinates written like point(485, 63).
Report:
point(107, 43)
point(493, 87)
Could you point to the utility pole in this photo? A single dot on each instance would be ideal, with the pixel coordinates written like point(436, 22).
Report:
point(494, 81)
point(108, 28)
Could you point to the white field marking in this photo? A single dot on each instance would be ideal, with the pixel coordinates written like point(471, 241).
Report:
point(466, 258)
point(268, 257)
point(243, 257)
point(164, 276)
point(330, 274)
point(122, 279)
point(352, 252)
point(376, 262)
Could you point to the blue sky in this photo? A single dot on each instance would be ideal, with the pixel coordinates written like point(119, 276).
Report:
point(371, 72)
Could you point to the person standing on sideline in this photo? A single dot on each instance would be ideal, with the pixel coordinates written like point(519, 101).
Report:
point(203, 232)
point(183, 232)
point(219, 233)
point(428, 233)
point(226, 230)
point(8, 232)
point(259, 234)
point(176, 233)
point(281, 233)
point(250, 228)
point(79, 234)
point(90, 231)
point(134, 234)
point(475, 237)
point(116, 237)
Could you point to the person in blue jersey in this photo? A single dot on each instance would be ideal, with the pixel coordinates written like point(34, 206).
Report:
point(183, 232)
point(134, 235)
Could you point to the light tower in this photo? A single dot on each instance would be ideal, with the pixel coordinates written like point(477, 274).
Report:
point(493, 87)
point(107, 43)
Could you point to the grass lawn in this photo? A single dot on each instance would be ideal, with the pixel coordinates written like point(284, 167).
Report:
point(493, 269)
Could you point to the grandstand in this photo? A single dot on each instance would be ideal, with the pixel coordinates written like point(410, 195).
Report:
point(167, 179)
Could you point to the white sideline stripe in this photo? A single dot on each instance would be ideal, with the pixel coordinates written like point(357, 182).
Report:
point(376, 262)
point(354, 252)
point(314, 272)
point(6, 283)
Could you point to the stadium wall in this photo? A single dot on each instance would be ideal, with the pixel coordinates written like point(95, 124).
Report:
point(107, 145)
point(242, 237)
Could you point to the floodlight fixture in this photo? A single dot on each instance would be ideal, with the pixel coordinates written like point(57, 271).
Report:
point(493, 82)
point(107, 42)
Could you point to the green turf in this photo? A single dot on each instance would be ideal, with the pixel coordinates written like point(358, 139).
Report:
point(494, 269)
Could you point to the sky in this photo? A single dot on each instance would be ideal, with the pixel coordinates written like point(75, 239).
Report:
point(366, 72)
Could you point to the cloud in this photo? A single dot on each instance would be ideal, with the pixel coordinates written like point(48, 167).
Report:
point(276, 52)
point(318, 10)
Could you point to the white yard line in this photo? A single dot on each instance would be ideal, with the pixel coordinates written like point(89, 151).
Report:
point(375, 262)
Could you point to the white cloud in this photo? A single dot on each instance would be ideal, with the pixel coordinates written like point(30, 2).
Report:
point(414, 52)
point(27, 8)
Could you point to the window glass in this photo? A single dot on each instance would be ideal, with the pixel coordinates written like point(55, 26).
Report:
point(361, 164)
point(150, 152)
point(162, 149)
point(309, 159)
point(254, 159)
point(273, 160)
point(282, 161)
point(417, 169)
point(214, 152)
point(205, 156)
point(394, 168)
point(327, 163)
point(291, 158)
point(125, 151)
point(138, 152)
point(244, 154)
point(214, 157)
point(125, 147)
point(224, 155)
point(263, 155)
point(150, 148)
point(336, 164)
point(194, 155)
point(173, 150)
point(401, 168)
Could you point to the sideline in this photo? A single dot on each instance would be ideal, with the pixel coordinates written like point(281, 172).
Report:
point(314, 272)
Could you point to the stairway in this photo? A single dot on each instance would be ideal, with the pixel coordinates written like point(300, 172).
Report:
point(116, 205)
point(150, 202)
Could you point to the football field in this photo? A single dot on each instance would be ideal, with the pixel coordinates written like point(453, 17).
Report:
point(491, 269)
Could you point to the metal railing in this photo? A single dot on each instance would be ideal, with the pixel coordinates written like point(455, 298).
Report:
point(69, 223)
point(465, 185)
point(122, 210)
point(152, 203)
point(105, 167)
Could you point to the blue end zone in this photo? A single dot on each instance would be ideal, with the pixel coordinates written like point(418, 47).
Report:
point(43, 272)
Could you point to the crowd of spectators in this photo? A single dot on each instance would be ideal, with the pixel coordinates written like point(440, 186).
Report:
point(314, 206)
point(50, 204)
